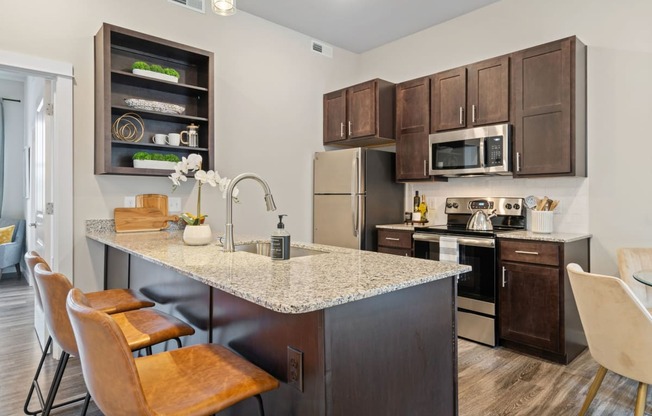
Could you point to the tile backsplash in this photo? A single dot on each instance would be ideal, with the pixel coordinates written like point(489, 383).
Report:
point(571, 215)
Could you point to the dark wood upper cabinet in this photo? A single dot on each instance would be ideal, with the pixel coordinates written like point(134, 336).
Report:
point(335, 116)
point(448, 104)
point(488, 91)
point(361, 115)
point(549, 109)
point(472, 95)
point(116, 49)
point(412, 129)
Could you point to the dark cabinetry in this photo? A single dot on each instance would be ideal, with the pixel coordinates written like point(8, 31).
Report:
point(549, 109)
point(473, 95)
point(537, 312)
point(360, 115)
point(412, 129)
point(116, 49)
point(395, 242)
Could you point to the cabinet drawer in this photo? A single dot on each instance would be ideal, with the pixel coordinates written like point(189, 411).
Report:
point(395, 238)
point(406, 252)
point(530, 252)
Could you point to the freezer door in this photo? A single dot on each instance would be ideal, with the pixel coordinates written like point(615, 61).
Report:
point(338, 219)
point(338, 172)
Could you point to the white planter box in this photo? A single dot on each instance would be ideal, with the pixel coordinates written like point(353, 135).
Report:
point(154, 164)
point(155, 75)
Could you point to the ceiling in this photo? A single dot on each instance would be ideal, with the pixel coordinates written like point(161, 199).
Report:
point(359, 25)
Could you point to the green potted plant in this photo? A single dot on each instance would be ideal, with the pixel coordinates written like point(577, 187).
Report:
point(145, 160)
point(145, 69)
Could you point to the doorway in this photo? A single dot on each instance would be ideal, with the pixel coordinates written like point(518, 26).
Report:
point(48, 126)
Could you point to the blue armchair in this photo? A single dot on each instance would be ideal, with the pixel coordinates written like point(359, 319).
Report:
point(12, 253)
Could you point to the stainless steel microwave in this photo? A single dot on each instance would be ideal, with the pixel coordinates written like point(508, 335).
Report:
point(471, 152)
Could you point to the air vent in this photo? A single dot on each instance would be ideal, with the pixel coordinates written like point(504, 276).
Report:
point(322, 49)
point(196, 5)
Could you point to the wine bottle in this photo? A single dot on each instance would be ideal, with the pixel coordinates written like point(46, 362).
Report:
point(416, 202)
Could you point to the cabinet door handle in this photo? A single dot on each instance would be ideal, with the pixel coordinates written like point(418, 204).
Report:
point(461, 116)
point(473, 113)
point(392, 239)
point(504, 276)
point(349, 127)
point(533, 253)
point(425, 168)
point(518, 161)
point(342, 129)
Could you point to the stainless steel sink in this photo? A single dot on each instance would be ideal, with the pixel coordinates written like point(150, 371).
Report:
point(264, 250)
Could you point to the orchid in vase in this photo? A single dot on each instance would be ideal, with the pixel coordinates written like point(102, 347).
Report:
point(193, 164)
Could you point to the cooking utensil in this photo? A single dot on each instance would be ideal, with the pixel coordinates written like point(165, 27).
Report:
point(480, 221)
point(541, 203)
point(530, 201)
point(554, 205)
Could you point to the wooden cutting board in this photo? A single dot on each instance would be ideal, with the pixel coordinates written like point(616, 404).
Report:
point(129, 220)
point(157, 201)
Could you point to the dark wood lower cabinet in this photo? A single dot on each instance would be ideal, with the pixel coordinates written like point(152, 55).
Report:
point(536, 307)
point(391, 354)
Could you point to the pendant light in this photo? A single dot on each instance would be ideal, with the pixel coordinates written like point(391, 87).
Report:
point(223, 7)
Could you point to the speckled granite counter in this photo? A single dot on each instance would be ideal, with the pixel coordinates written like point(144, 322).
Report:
point(402, 227)
point(298, 285)
point(552, 237)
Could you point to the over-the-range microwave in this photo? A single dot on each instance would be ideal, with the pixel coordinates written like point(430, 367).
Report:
point(470, 152)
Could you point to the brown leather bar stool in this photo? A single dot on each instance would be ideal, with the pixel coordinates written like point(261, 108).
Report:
point(141, 328)
point(109, 301)
point(196, 380)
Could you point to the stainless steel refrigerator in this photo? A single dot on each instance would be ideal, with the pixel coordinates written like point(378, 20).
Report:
point(354, 190)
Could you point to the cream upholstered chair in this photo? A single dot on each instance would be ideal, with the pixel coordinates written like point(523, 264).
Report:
point(631, 260)
point(192, 381)
point(618, 329)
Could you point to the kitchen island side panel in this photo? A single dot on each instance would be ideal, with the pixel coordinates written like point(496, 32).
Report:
point(394, 354)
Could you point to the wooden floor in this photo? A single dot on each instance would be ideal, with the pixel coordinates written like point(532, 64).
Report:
point(492, 381)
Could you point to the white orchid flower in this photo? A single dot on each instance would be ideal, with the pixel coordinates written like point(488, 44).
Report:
point(194, 161)
point(177, 178)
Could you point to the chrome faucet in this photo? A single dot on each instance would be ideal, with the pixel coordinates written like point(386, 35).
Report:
point(269, 201)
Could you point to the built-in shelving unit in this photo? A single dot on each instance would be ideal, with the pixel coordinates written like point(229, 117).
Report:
point(116, 49)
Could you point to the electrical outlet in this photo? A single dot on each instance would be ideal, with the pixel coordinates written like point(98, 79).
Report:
point(174, 204)
point(130, 202)
point(295, 368)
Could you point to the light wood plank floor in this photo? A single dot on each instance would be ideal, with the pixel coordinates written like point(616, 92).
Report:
point(492, 381)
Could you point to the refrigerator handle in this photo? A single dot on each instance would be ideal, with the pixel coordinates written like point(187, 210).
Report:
point(354, 194)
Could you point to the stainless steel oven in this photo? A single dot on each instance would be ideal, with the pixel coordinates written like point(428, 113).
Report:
point(476, 290)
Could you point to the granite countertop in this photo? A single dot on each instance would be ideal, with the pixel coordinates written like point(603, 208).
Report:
point(298, 285)
point(552, 237)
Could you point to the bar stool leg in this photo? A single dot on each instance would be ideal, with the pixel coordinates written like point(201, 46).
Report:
point(63, 361)
point(261, 410)
point(35, 381)
point(87, 400)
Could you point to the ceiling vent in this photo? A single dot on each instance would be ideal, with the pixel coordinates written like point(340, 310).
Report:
point(322, 49)
point(196, 5)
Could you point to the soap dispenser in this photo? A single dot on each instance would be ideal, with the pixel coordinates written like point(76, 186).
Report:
point(280, 241)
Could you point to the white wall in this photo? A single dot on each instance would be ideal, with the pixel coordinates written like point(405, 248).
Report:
point(268, 93)
point(613, 202)
point(13, 204)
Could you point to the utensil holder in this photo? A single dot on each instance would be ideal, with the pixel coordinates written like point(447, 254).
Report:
point(542, 222)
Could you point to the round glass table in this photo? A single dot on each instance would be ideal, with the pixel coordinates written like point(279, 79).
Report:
point(643, 276)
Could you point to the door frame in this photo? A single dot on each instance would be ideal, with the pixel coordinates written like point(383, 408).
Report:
point(61, 74)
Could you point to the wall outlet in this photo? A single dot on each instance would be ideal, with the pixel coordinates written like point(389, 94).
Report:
point(130, 202)
point(295, 368)
point(174, 204)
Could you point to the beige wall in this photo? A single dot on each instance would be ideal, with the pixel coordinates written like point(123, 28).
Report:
point(613, 202)
point(268, 107)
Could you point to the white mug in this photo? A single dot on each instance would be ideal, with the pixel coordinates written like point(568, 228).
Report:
point(174, 139)
point(159, 138)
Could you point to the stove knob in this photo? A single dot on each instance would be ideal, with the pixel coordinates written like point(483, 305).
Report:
point(517, 206)
point(455, 205)
point(449, 205)
point(508, 206)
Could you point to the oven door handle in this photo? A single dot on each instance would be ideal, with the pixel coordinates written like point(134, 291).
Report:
point(462, 241)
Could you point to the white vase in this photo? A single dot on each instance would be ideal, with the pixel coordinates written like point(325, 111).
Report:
point(197, 235)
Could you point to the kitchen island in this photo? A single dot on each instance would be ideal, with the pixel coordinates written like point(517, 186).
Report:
point(347, 332)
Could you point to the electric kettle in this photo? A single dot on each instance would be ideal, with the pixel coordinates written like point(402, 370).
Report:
point(480, 221)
